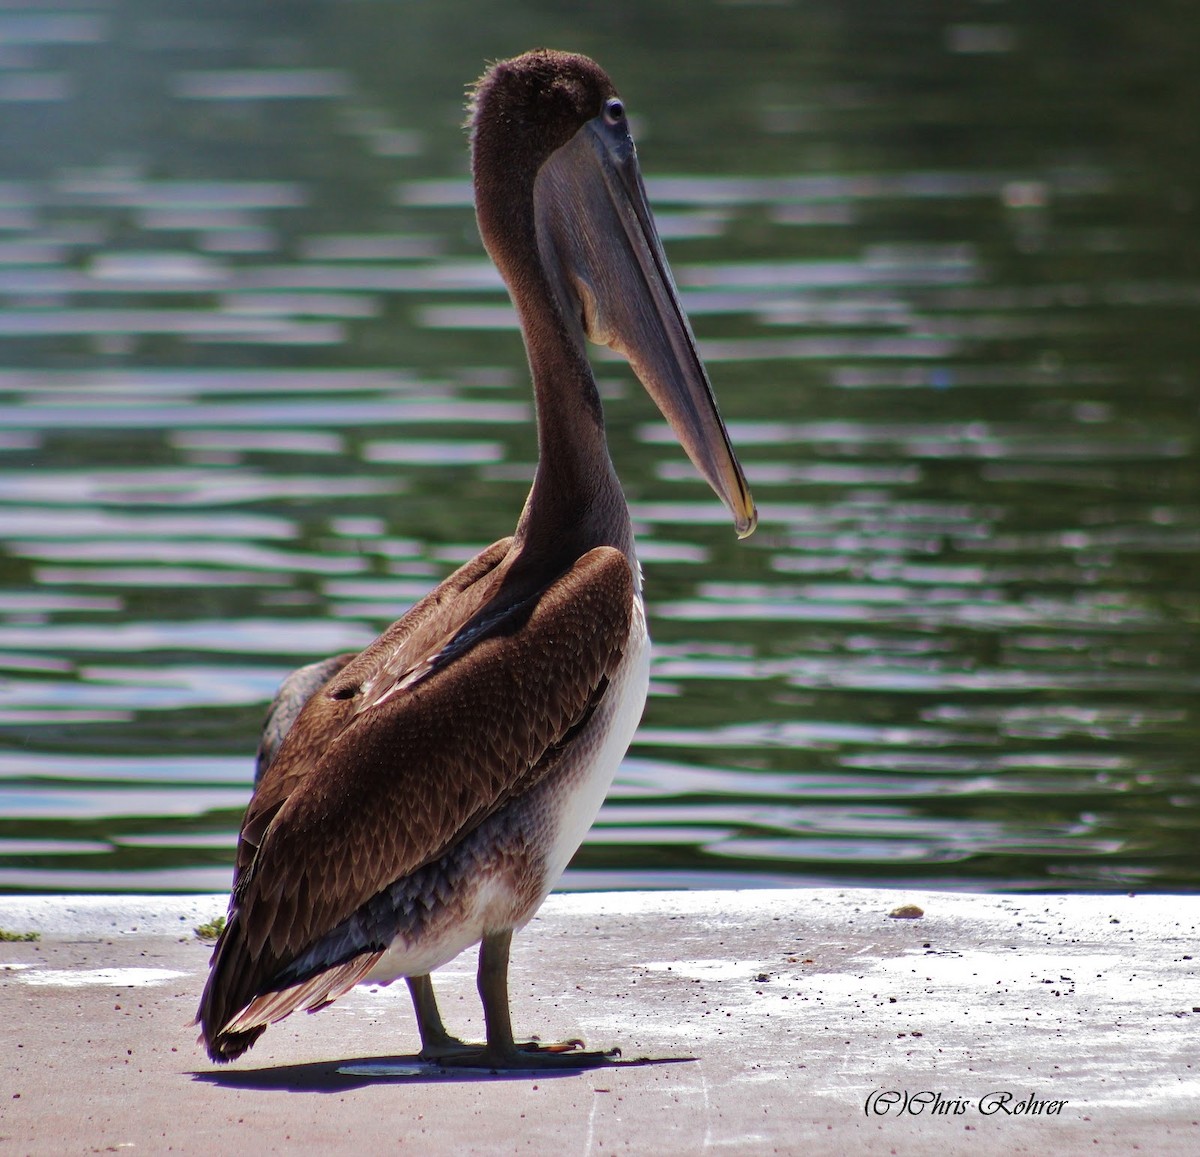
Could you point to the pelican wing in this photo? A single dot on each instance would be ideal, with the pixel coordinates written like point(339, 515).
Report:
point(406, 644)
point(396, 759)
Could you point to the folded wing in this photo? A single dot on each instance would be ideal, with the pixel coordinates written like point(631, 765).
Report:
point(461, 705)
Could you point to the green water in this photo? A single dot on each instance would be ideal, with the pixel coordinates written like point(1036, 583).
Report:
point(260, 389)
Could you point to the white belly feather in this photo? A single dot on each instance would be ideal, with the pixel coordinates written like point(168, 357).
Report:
point(602, 746)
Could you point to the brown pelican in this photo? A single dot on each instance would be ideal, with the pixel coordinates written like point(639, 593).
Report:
point(426, 794)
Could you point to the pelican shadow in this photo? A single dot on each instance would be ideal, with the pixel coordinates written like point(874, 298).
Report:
point(360, 1072)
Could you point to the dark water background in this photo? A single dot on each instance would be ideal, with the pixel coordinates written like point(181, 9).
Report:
point(260, 388)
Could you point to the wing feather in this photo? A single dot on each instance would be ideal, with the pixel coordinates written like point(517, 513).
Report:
point(357, 799)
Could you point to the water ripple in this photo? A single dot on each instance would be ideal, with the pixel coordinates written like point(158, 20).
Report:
point(262, 389)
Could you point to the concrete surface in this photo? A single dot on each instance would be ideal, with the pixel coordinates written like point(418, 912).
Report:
point(805, 1021)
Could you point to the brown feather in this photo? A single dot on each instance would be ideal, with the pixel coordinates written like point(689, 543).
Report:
point(357, 799)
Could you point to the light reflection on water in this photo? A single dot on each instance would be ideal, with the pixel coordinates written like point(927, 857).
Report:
point(253, 406)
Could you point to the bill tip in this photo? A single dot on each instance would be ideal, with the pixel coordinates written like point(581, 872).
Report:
point(745, 524)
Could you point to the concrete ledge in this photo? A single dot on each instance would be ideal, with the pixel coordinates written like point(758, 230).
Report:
point(750, 1022)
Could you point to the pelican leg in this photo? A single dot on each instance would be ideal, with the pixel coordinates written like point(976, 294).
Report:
point(501, 1051)
point(436, 1042)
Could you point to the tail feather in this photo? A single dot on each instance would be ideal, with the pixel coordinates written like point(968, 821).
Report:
point(243, 994)
point(229, 1046)
point(311, 995)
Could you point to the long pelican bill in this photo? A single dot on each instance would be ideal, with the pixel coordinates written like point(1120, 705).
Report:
point(599, 245)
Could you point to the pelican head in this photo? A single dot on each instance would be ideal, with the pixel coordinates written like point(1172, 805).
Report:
point(563, 213)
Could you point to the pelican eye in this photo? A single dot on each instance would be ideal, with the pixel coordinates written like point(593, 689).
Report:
point(614, 112)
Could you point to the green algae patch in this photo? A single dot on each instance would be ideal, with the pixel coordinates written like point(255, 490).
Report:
point(212, 930)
